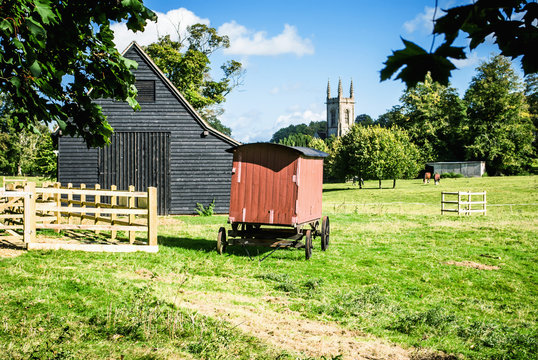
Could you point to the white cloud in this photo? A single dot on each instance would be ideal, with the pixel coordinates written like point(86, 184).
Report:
point(286, 88)
point(172, 23)
point(244, 41)
point(251, 127)
point(246, 127)
point(299, 117)
point(472, 60)
point(421, 22)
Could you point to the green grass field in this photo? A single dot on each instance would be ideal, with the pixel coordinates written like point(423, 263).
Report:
point(391, 272)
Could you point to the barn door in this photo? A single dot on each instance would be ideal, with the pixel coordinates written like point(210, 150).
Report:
point(141, 159)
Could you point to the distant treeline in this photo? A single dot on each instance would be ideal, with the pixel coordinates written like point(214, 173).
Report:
point(495, 121)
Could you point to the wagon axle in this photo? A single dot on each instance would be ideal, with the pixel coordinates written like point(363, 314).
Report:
point(278, 238)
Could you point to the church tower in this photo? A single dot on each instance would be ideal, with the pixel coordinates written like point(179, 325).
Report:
point(340, 111)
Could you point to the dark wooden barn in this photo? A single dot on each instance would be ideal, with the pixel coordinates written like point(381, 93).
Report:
point(166, 144)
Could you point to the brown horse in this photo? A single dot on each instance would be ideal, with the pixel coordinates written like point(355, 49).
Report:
point(427, 177)
point(437, 178)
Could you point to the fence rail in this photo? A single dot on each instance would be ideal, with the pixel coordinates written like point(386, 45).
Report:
point(68, 208)
point(463, 202)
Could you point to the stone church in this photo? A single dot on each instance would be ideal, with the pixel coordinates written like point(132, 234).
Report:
point(340, 111)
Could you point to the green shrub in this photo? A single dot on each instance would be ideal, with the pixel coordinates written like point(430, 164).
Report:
point(205, 211)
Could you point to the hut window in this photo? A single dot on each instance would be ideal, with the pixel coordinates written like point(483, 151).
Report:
point(146, 90)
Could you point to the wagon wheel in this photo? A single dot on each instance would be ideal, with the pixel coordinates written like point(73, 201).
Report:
point(325, 230)
point(308, 244)
point(221, 241)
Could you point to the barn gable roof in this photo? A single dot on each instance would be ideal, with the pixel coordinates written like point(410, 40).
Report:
point(145, 57)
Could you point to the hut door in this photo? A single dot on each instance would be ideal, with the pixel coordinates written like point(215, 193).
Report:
point(141, 159)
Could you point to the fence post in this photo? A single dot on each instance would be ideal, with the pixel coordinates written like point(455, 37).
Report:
point(131, 205)
point(82, 201)
point(152, 216)
point(459, 202)
point(29, 214)
point(58, 202)
point(485, 202)
point(97, 206)
point(113, 203)
point(69, 203)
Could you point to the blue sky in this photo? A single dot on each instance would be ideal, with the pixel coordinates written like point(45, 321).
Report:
point(290, 49)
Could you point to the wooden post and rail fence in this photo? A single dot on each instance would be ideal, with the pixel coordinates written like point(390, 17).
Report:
point(60, 208)
point(462, 202)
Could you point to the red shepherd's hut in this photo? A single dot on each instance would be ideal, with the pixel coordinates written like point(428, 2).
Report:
point(275, 184)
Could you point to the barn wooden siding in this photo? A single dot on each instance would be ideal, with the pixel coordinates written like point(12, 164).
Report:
point(199, 166)
point(141, 159)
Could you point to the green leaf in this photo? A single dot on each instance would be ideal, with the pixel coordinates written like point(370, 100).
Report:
point(130, 64)
point(416, 63)
point(44, 10)
point(16, 82)
point(454, 52)
point(35, 69)
point(131, 100)
point(18, 44)
point(6, 25)
point(62, 124)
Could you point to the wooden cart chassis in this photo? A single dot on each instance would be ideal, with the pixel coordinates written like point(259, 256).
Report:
point(253, 234)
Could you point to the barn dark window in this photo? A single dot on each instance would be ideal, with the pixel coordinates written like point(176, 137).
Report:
point(146, 90)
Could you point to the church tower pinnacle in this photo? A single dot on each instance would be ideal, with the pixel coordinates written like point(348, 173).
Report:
point(340, 111)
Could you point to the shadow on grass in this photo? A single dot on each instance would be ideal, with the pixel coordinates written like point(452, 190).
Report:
point(209, 246)
point(357, 188)
point(12, 245)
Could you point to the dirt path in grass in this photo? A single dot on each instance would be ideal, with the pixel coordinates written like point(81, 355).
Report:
point(287, 330)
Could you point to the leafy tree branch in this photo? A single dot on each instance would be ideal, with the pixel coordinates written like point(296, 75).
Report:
point(511, 23)
point(56, 57)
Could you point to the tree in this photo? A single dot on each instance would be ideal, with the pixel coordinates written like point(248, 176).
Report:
point(376, 153)
point(56, 57)
point(318, 144)
point(186, 63)
point(310, 129)
point(211, 115)
point(305, 141)
point(9, 147)
point(19, 150)
point(391, 117)
point(500, 130)
point(531, 92)
point(296, 140)
point(511, 24)
point(45, 158)
point(433, 115)
point(364, 120)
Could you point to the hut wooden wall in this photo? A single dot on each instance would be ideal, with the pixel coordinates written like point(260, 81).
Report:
point(200, 167)
point(310, 189)
point(263, 187)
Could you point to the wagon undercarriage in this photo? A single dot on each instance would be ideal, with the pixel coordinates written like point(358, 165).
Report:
point(246, 234)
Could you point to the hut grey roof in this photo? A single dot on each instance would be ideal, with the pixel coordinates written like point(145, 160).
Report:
point(306, 151)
